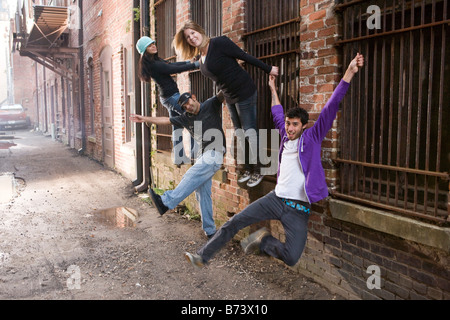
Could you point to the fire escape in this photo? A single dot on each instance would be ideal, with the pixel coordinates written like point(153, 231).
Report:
point(43, 33)
point(47, 42)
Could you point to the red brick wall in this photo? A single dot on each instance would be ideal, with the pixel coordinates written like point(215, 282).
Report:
point(107, 23)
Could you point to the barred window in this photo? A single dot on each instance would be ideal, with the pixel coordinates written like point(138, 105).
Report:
point(394, 153)
point(165, 18)
point(208, 14)
point(273, 36)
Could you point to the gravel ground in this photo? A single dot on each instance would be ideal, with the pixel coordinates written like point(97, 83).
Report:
point(57, 243)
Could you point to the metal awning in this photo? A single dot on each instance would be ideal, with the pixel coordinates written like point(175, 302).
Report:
point(49, 24)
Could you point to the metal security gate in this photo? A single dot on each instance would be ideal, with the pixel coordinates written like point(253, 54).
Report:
point(394, 129)
point(273, 36)
point(208, 14)
point(165, 13)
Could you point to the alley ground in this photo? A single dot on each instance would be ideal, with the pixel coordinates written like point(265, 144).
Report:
point(55, 242)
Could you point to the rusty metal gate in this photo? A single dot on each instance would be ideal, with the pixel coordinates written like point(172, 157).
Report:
point(394, 128)
point(208, 14)
point(165, 27)
point(273, 36)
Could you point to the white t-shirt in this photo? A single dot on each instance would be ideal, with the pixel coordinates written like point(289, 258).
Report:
point(291, 181)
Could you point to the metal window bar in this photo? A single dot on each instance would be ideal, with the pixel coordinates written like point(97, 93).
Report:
point(165, 20)
point(393, 155)
point(208, 14)
point(202, 87)
point(273, 36)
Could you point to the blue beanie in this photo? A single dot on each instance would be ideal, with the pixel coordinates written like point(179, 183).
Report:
point(143, 43)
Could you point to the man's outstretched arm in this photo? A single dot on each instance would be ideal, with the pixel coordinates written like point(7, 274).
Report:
point(153, 120)
point(277, 109)
point(273, 91)
point(353, 67)
point(328, 113)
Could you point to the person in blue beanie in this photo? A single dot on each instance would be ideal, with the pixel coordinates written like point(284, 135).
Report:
point(151, 66)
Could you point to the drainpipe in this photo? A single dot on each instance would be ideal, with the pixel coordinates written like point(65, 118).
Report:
point(137, 101)
point(36, 125)
point(45, 99)
point(145, 103)
point(81, 82)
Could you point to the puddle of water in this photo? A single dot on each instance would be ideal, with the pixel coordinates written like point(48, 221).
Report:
point(6, 145)
point(120, 217)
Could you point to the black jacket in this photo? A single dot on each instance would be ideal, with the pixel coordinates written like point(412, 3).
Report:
point(221, 67)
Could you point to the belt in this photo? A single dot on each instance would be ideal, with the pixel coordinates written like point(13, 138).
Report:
point(297, 205)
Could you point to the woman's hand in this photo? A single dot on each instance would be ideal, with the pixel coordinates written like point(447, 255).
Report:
point(274, 71)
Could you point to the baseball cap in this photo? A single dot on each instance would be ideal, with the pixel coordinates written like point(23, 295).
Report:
point(143, 43)
point(184, 98)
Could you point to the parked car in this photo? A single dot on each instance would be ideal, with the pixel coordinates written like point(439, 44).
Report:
point(13, 116)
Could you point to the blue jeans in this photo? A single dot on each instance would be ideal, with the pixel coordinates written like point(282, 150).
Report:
point(269, 207)
point(243, 115)
point(174, 109)
point(199, 179)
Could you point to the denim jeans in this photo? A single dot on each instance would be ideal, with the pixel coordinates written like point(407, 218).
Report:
point(243, 115)
point(174, 109)
point(269, 207)
point(199, 179)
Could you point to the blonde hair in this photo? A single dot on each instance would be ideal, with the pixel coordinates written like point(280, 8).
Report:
point(182, 46)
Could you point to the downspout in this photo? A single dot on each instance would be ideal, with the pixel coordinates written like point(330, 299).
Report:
point(145, 98)
point(137, 101)
point(45, 99)
point(81, 82)
point(36, 125)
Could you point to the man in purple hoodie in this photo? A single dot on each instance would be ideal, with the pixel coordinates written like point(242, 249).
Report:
point(300, 182)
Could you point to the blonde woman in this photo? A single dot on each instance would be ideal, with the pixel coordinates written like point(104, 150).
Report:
point(218, 61)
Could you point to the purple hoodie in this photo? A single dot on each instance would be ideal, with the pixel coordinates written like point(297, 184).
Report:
point(309, 148)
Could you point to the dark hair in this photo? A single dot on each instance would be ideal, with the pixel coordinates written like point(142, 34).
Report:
point(145, 65)
point(297, 112)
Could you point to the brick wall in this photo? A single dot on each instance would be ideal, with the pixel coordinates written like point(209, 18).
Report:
point(338, 255)
point(107, 24)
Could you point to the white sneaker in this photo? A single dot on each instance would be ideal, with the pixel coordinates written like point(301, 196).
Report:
point(194, 259)
point(253, 241)
point(245, 177)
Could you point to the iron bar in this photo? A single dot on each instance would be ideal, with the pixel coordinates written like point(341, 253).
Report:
point(378, 204)
point(442, 175)
point(393, 32)
point(275, 26)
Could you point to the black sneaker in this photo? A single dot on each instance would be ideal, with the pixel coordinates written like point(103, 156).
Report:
point(157, 202)
point(255, 179)
point(245, 177)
